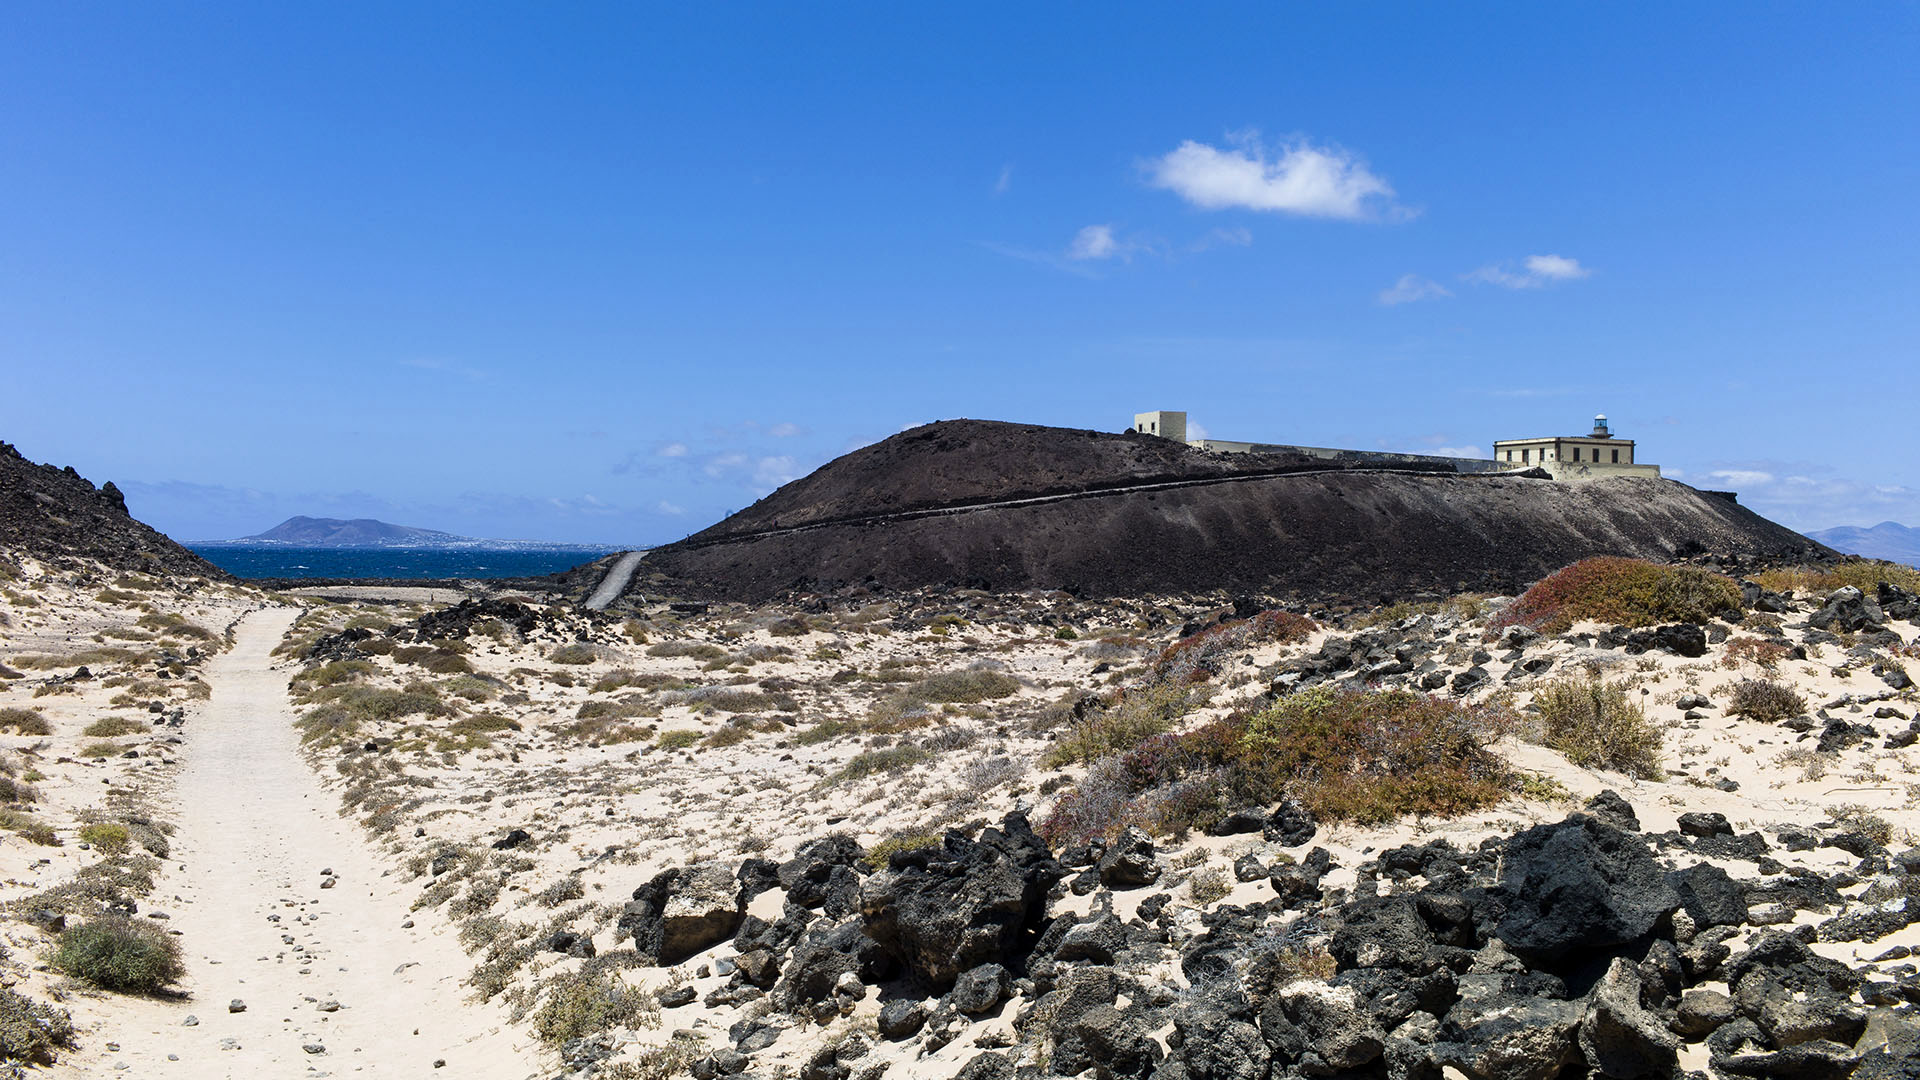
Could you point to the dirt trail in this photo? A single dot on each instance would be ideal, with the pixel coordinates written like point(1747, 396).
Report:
point(257, 837)
point(615, 583)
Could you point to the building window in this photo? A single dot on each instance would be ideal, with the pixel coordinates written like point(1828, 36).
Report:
point(1576, 453)
point(1523, 456)
point(1616, 457)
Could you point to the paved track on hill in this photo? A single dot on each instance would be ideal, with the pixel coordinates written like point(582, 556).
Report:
point(615, 583)
point(245, 890)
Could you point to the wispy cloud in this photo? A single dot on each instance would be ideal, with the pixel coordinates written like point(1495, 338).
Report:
point(1535, 271)
point(669, 508)
point(1412, 288)
point(1005, 183)
point(444, 367)
point(1094, 242)
point(784, 430)
point(1214, 238)
point(672, 449)
point(1295, 177)
point(1746, 478)
point(1459, 451)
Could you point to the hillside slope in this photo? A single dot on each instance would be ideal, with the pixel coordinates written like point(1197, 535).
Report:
point(1317, 535)
point(47, 513)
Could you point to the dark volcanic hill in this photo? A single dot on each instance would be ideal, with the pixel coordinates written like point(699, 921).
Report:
point(358, 532)
point(48, 513)
point(1127, 514)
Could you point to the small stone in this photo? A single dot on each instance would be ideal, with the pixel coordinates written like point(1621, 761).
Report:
point(314, 1048)
point(236, 1006)
point(190, 1021)
point(329, 883)
point(328, 1006)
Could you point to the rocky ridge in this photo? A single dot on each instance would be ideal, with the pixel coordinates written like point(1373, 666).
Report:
point(55, 514)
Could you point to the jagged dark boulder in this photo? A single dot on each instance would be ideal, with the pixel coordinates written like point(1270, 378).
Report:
point(1319, 1029)
point(944, 910)
point(1847, 609)
point(1578, 886)
point(1289, 825)
point(1619, 1037)
point(682, 911)
point(1129, 862)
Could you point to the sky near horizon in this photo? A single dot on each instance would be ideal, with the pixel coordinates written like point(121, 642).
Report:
point(605, 273)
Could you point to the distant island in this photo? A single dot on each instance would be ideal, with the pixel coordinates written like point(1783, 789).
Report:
point(336, 533)
point(1888, 540)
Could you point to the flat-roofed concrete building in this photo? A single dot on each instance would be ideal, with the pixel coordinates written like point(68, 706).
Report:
point(1161, 422)
point(1591, 456)
point(1574, 457)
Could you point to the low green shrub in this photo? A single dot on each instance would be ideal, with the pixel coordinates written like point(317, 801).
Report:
point(578, 1005)
point(24, 721)
point(1122, 723)
point(1343, 754)
point(1765, 700)
point(1597, 724)
point(678, 739)
point(106, 837)
point(29, 827)
point(1196, 657)
point(31, 1031)
point(1627, 592)
point(692, 650)
point(876, 762)
point(112, 727)
point(574, 654)
point(117, 953)
point(1863, 574)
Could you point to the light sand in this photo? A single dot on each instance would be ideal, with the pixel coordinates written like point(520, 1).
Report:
point(257, 831)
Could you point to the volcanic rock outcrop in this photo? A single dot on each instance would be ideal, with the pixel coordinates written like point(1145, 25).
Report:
point(50, 513)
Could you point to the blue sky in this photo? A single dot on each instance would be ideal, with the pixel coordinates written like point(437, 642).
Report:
point(606, 272)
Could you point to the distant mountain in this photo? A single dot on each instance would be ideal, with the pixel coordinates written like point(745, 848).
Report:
point(360, 532)
point(335, 534)
point(1888, 540)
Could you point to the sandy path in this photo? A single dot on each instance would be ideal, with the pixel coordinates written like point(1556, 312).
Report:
point(257, 831)
point(615, 583)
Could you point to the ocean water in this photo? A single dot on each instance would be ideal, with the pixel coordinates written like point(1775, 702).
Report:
point(274, 561)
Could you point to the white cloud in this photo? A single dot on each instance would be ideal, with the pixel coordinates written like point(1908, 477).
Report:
point(720, 464)
point(1298, 178)
point(673, 450)
point(784, 430)
point(1094, 242)
point(771, 472)
point(1538, 270)
point(1742, 477)
point(1459, 451)
point(672, 509)
point(1005, 181)
point(1411, 288)
point(1556, 267)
